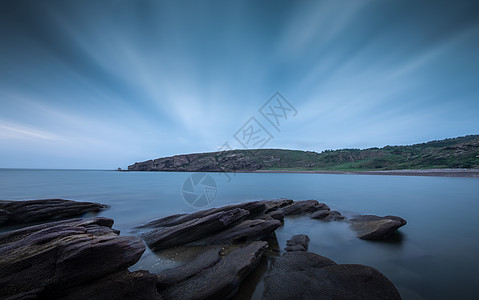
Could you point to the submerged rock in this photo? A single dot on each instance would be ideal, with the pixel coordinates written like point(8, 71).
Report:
point(328, 215)
point(305, 275)
point(18, 212)
point(48, 259)
point(298, 242)
point(218, 281)
point(202, 261)
point(371, 227)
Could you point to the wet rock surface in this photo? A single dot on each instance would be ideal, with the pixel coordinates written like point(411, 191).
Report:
point(220, 280)
point(48, 260)
point(192, 230)
point(87, 259)
point(305, 275)
point(21, 212)
point(371, 227)
point(298, 242)
point(303, 207)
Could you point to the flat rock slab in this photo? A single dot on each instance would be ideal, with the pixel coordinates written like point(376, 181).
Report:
point(246, 231)
point(305, 275)
point(200, 262)
point(20, 212)
point(221, 280)
point(370, 227)
point(47, 259)
point(254, 208)
point(192, 230)
point(303, 207)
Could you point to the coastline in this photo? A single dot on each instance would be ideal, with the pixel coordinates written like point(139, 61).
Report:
point(416, 172)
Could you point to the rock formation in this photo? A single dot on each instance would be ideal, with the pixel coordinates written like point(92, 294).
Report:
point(67, 258)
point(18, 212)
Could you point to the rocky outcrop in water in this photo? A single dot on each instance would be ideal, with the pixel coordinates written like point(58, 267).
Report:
point(370, 227)
point(87, 259)
point(218, 226)
point(299, 242)
point(305, 275)
point(67, 258)
point(21, 212)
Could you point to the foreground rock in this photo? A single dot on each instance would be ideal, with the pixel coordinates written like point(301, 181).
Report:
point(18, 212)
point(212, 276)
point(305, 275)
point(370, 227)
point(53, 259)
point(298, 242)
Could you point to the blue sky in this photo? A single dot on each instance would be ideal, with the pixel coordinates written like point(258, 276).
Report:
point(103, 84)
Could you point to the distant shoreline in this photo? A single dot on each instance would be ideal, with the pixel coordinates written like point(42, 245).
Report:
point(420, 172)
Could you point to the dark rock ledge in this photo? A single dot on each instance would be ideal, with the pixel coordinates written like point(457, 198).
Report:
point(305, 275)
point(73, 259)
point(22, 212)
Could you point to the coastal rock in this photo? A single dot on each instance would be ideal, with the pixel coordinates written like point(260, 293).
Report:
point(4, 216)
point(305, 275)
point(201, 162)
point(276, 215)
point(275, 204)
point(140, 285)
point(192, 230)
point(254, 208)
point(221, 280)
point(327, 215)
point(246, 231)
point(298, 242)
point(371, 227)
point(320, 214)
point(18, 212)
point(45, 260)
point(303, 207)
point(202, 261)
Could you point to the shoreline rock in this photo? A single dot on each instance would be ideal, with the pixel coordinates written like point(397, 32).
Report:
point(29, 211)
point(306, 275)
point(371, 227)
point(220, 280)
point(48, 260)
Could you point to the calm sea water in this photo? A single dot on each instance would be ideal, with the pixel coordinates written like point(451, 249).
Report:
point(436, 256)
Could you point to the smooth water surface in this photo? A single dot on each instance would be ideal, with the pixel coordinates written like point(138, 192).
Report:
point(435, 256)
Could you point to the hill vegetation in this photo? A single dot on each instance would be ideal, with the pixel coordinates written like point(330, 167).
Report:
point(461, 152)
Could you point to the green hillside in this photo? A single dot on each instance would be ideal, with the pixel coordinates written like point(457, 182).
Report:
point(461, 152)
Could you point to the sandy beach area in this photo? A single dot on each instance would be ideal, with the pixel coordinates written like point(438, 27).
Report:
point(420, 172)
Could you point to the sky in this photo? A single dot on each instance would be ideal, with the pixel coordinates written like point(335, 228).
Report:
point(103, 84)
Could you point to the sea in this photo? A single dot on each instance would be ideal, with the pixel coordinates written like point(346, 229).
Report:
point(434, 256)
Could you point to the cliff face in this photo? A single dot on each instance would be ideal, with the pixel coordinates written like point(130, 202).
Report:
point(462, 152)
point(202, 162)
